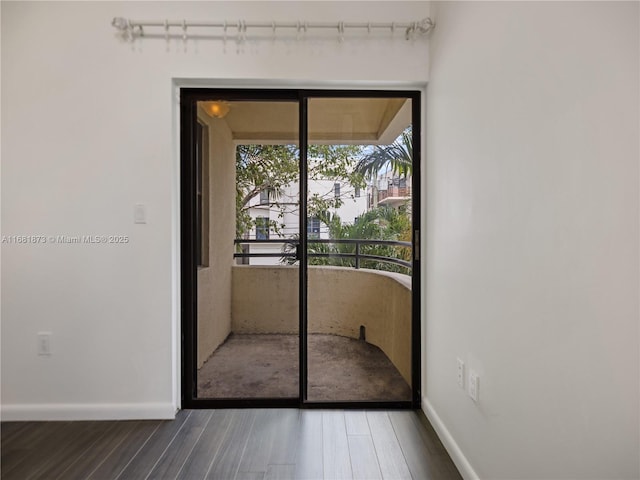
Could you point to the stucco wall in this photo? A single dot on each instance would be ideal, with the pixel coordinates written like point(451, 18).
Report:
point(214, 281)
point(265, 300)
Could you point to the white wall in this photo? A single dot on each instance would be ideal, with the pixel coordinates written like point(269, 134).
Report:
point(87, 133)
point(532, 248)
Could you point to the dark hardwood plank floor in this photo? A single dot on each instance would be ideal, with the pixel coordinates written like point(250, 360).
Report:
point(207, 448)
point(390, 456)
point(336, 460)
point(309, 455)
point(143, 461)
point(256, 444)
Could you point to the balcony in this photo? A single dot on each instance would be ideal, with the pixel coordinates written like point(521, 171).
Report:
point(359, 329)
point(394, 195)
point(341, 300)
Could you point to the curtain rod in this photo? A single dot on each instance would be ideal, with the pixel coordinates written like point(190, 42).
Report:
point(131, 29)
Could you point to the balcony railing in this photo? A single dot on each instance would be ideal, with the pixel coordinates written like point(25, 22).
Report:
point(292, 252)
point(394, 192)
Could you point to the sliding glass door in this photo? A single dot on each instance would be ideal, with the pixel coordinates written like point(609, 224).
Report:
point(298, 262)
point(359, 249)
point(240, 218)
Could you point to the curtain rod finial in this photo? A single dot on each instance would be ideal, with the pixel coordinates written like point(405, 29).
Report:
point(120, 23)
point(425, 25)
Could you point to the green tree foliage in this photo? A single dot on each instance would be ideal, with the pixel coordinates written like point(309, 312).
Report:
point(398, 156)
point(261, 168)
point(382, 223)
point(272, 168)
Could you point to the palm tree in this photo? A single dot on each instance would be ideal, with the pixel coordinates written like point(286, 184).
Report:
point(398, 155)
point(382, 223)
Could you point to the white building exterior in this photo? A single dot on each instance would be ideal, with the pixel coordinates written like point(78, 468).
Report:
point(390, 189)
point(286, 214)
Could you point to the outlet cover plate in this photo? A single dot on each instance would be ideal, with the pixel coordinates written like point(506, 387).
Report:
point(474, 385)
point(460, 377)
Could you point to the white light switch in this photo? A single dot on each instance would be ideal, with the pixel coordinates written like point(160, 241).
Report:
point(44, 343)
point(139, 213)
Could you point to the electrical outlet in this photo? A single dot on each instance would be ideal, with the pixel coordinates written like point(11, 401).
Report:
point(460, 373)
point(44, 343)
point(474, 385)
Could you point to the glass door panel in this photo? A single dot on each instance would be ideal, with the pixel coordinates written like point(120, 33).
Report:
point(359, 250)
point(247, 164)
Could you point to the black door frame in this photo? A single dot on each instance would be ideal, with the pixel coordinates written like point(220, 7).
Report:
point(188, 232)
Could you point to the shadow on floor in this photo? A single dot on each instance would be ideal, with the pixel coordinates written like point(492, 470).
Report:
point(266, 366)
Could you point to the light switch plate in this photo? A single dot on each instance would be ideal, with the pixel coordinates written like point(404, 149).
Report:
point(44, 344)
point(139, 213)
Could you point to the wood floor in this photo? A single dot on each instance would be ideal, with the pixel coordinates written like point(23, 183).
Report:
point(256, 444)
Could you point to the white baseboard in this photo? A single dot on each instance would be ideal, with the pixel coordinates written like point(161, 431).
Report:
point(456, 454)
point(87, 411)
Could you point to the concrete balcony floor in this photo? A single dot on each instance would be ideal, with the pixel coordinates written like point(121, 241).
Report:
point(266, 366)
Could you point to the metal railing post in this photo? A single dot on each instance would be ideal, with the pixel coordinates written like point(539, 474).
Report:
point(357, 255)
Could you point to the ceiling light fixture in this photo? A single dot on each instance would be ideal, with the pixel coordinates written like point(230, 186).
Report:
point(218, 109)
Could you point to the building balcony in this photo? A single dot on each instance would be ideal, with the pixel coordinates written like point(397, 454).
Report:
point(394, 195)
point(359, 326)
point(341, 300)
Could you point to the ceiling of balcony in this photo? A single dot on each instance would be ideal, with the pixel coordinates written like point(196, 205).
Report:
point(367, 121)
